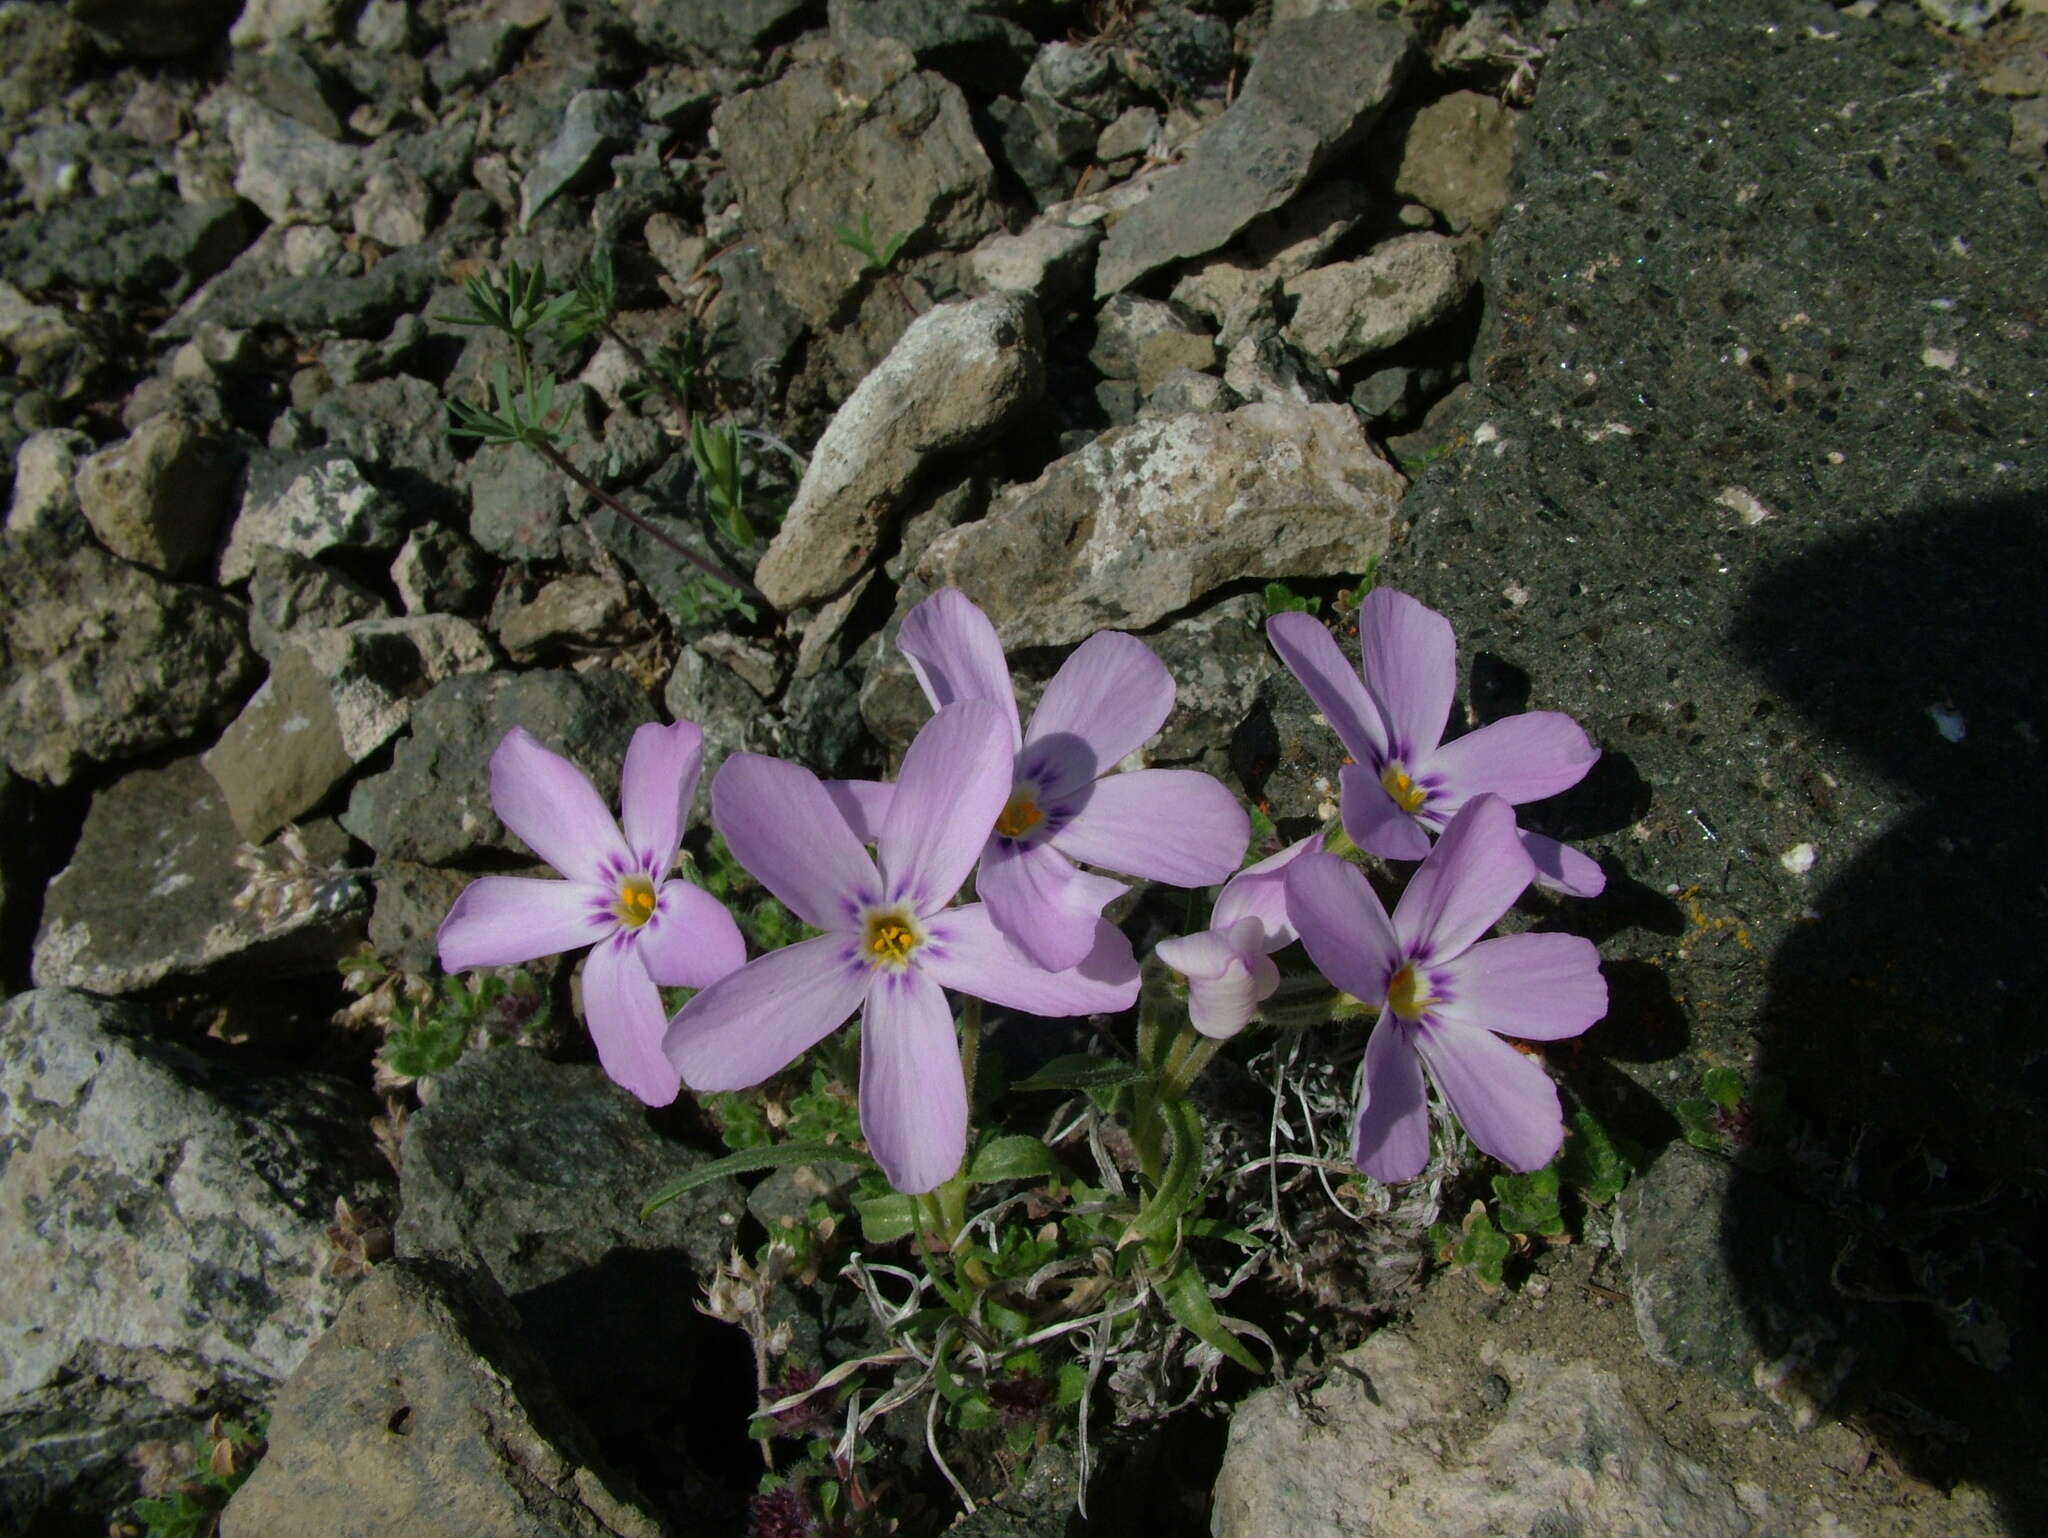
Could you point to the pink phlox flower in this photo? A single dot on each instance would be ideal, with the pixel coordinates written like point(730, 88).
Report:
point(890, 946)
point(1446, 996)
point(1066, 804)
point(643, 928)
point(1406, 783)
point(1229, 965)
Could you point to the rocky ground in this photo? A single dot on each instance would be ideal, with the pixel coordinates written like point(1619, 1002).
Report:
point(1688, 357)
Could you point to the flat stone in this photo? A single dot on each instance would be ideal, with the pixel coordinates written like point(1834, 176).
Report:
point(45, 471)
point(311, 505)
point(730, 31)
point(289, 593)
point(1314, 90)
point(1350, 310)
point(163, 1243)
point(424, 1411)
point(1142, 340)
point(595, 124)
point(1148, 519)
point(959, 376)
point(1455, 155)
point(293, 173)
point(1049, 259)
point(158, 497)
point(583, 608)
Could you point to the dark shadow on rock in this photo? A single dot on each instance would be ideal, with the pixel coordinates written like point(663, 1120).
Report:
point(1905, 1021)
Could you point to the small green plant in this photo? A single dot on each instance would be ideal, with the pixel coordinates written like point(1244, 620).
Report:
point(1732, 1118)
point(1282, 599)
point(880, 257)
point(1475, 1246)
point(716, 453)
point(1528, 1204)
point(1535, 1206)
point(218, 1462)
point(429, 1022)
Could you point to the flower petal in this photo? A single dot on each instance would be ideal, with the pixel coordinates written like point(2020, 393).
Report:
point(1260, 892)
point(1343, 926)
point(1561, 868)
point(1505, 1100)
point(1390, 1135)
point(953, 650)
point(1470, 879)
point(554, 808)
point(1179, 826)
point(1519, 758)
point(781, 824)
point(1410, 657)
point(627, 1021)
point(966, 953)
point(655, 788)
point(913, 1099)
point(690, 940)
point(863, 803)
point(500, 921)
point(1536, 986)
point(1227, 976)
point(1312, 655)
point(763, 1017)
point(1372, 819)
point(953, 783)
point(1046, 907)
point(1113, 693)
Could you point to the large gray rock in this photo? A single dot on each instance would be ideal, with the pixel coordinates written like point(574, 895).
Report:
point(862, 132)
point(423, 1411)
point(142, 242)
point(332, 699)
point(310, 505)
point(163, 1243)
point(101, 661)
point(150, 895)
point(433, 804)
point(293, 173)
point(1350, 310)
point(1390, 1444)
point(1315, 90)
point(535, 1171)
point(1147, 519)
point(289, 593)
point(157, 497)
point(959, 376)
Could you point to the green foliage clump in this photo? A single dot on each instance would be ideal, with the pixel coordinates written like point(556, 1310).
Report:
point(1538, 1206)
point(217, 1463)
point(1732, 1118)
point(429, 1022)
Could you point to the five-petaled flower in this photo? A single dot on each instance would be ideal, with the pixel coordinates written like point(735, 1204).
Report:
point(1064, 802)
point(891, 946)
point(1443, 996)
point(1229, 965)
point(642, 928)
point(1406, 783)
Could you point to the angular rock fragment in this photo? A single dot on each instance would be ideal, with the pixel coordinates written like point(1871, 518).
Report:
point(310, 505)
point(960, 375)
point(1351, 310)
point(158, 497)
point(1455, 155)
point(1147, 519)
point(289, 592)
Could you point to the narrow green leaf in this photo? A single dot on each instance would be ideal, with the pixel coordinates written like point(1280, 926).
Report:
point(1080, 1071)
point(1011, 1158)
point(747, 1160)
point(1186, 1297)
point(1161, 1215)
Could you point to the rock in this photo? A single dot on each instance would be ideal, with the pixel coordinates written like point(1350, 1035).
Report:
point(40, 51)
point(864, 132)
point(289, 80)
point(1079, 79)
point(1148, 519)
point(596, 123)
point(100, 661)
point(960, 375)
point(163, 1242)
point(153, 29)
point(712, 695)
point(57, 352)
point(294, 174)
point(1390, 1448)
point(158, 497)
point(1314, 91)
point(396, 429)
point(142, 241)
point(424, 1411)
point(45, 471)
point(1351, 310)
point(1264, 368)
point(433, 804)
point(256, 291)
point(1133, 134)
point(1049, 260)
point(969, 45)
point(584, 609)
point(1219, 659)
point(289, 593)
point(396, 208)
point(440, 572)
point(412, 900)
point(1455, 154)
point(311, 505)
point(519, 505)
point(275, 21)
point(1143, 340)
point(1182, 390)
point(150, 895)
point(731, 31)
point(1176, 52)
point(534, 1172)
point(332, 699)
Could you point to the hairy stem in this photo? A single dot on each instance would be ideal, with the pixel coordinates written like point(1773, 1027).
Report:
point(709, 567)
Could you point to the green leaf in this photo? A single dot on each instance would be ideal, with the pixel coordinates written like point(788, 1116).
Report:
point(1214, 1228)
point(1478, 1246)
point(1594, 1163)
point(745, 1161)
point(887, 1218)
point(1699, 1118)
point(1723, 1086)
point(1282, 599)
point(1011, 1158)
point(1186, 1297)
point(1528, 1203)
point(1081, 1071)
point(1161, 1215)
point(1070, 1382)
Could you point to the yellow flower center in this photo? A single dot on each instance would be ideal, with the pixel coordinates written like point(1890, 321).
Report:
point(1408, 795)
point(635, 902)
point(1408, 993)
point(892, 934)
point(1020, 814)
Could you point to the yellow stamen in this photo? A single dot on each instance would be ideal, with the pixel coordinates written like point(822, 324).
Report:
point(1408, 993)
point(1408, 795)
point(891, 936)
point(1020, 814)
point(635, 902)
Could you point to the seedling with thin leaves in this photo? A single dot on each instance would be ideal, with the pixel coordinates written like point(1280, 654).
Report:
point(881, 255)
point(1282, 599)
point(716, 453)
